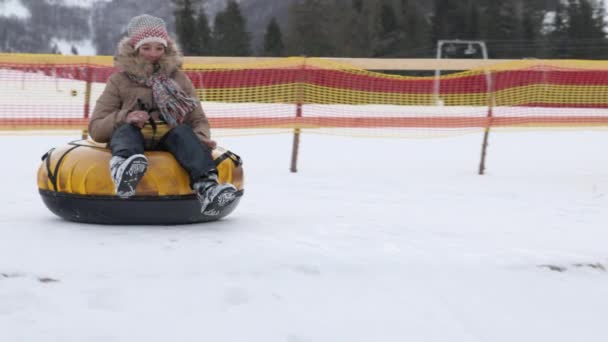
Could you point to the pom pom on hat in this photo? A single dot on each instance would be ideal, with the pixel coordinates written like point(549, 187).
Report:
point(147, 29)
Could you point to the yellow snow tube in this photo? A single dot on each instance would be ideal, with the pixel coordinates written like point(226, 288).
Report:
point(74, 182)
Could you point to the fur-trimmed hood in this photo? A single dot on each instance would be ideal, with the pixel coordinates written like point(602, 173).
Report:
point(127, 59)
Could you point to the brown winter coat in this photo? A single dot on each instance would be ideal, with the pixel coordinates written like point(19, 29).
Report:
point(121, 93)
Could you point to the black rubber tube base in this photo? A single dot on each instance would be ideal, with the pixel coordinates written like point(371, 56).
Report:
point(136, 210)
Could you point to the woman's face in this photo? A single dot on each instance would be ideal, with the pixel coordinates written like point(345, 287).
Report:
point(152, 52)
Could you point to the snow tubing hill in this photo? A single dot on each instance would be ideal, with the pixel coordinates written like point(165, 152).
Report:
point(75, 184)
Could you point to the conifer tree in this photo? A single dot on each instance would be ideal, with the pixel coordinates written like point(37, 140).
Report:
point(529, 27)
point(575, 27)
point(502, 30)
point(599, 24)
point(558, 37)
point(230, 36)
point(415, 31)
point(388, 19)
point(530, 33)
point(355, 34)
point(55, 49)
point(448, 19)
point(472, 18)
point(273, 39)
point(585, 35)
point(204, 43)
point(386, 40)
point(591, 21)
point(599, 21)
point(310, 29)
point(185, 26)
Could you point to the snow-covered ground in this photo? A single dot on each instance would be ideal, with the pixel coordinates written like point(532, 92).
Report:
point(83, 47)
point(373, 240)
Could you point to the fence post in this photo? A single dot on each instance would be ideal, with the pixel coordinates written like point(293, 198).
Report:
point(300, 79)
point(87, 96)
point(488, 125)
point(484, 144)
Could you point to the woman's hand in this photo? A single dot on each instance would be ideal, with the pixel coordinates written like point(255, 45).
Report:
point(211, 143)
point(138, 118)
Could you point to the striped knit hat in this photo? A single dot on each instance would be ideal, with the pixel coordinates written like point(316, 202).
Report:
point(147, 29)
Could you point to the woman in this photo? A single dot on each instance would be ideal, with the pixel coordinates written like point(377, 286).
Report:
point(151, 104)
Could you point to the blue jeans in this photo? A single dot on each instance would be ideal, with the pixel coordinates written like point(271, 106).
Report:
point(181, 141)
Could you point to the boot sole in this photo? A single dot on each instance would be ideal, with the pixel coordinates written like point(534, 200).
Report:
point(221, 201)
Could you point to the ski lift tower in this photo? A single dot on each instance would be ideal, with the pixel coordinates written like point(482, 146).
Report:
point(451, 46)
point(472, 47)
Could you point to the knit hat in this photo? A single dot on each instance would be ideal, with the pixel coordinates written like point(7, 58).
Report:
point(147, 29)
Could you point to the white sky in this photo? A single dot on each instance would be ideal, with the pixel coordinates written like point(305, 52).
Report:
point(13, 8)
point(16, 8)
point(82, 3)
point(84, 47)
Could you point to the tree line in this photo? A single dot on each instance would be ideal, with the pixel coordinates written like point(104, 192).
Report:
point(403, 28)
point(46, 23)
point(333, 28)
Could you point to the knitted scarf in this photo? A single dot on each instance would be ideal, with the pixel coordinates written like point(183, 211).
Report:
point(173, 103)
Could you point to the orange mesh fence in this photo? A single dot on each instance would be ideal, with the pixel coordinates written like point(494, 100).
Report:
point(49, 91)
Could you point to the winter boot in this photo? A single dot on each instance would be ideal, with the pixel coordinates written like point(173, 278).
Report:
point(214, 196)
point(126, 173)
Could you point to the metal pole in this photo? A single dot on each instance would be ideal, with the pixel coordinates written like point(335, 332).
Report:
point(490, 91)
point(437, 75)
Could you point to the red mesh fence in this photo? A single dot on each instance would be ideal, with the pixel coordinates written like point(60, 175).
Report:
point(47, 92)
